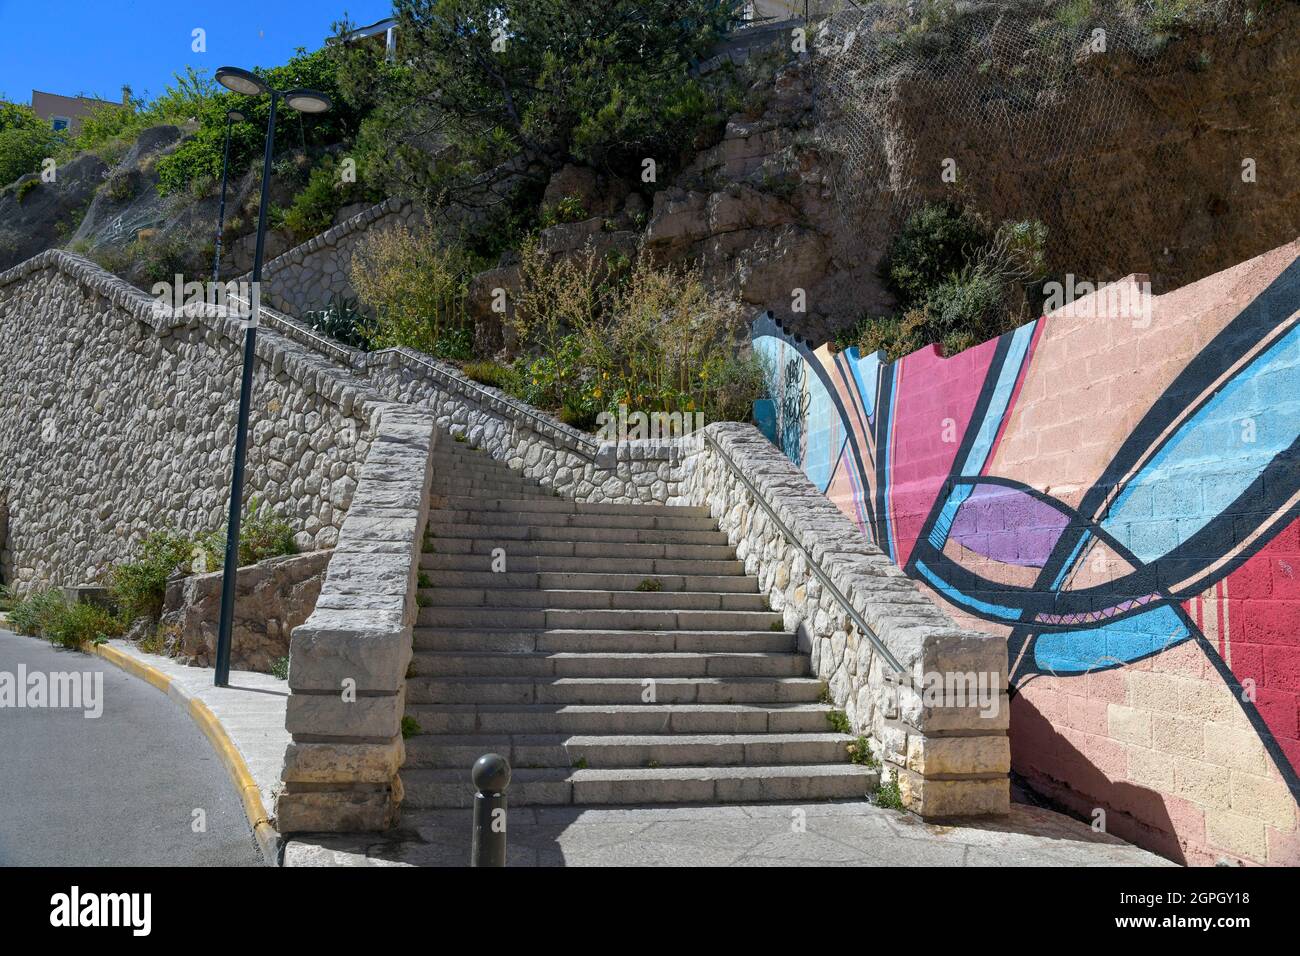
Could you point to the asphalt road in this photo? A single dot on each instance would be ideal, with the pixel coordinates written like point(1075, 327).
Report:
point(117, 790)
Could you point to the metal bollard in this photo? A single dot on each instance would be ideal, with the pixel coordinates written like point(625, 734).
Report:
point(491, 776)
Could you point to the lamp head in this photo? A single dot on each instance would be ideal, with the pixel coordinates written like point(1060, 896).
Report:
point(241, 81)
point(308, 101)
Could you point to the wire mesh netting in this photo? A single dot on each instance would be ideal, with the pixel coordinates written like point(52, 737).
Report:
point(1027, 110)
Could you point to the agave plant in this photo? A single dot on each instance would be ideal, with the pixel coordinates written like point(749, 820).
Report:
point(343, 320)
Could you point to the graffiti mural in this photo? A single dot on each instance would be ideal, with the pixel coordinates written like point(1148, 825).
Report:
point(1120, 496)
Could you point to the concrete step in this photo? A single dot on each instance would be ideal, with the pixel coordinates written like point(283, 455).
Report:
point(605, 751)
point(631, 620)
point(538, 531)
point(612, 690)
point(579, 549)
point(459, 471)
point(566, 506)
point(451, 787)
point(594, 581)
point(481, 488)
point(620, 718)
point(600, 664)
point(513, 640)
point(485, 518)
point(551, 563)
point(442, 595)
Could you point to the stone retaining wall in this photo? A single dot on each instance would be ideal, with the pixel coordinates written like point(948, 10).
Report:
point(272, 597)
point(119, 418)
point(309, 276)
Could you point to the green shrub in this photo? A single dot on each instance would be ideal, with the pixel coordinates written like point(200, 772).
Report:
point(839, 721)
point(981, 296)
point(415, 284)
point(314, 207)
point(25, 187)
point(935, 242)
point(33, 614)
point(969, 304)
point(80, 624)
point(859, 751)
point(198, 157)
point(596, 337)
point(138, 586)
point(410, 727)
point(887, 795)
point(25, 140)
point(47, 615)
point(280, 668)
point(606, 84)
point(492, 373)
point(568, 209)
point(262, 534)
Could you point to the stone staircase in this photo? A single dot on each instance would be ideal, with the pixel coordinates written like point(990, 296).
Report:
point(621, 657)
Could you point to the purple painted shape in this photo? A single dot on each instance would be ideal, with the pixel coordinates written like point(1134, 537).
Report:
point(1008, 525)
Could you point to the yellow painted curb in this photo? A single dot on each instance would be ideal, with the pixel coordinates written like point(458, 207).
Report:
point(250, 795)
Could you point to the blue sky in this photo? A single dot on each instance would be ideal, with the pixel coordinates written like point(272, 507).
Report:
point(92, 47)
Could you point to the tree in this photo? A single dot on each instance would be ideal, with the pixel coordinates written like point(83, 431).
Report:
point(539, 82)
point(25, 140)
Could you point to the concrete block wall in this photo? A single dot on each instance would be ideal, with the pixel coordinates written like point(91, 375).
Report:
point(1115, 489)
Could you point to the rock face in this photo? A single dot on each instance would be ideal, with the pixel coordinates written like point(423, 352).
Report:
point(46, 211)
point(272, 597)
point(1179, 168)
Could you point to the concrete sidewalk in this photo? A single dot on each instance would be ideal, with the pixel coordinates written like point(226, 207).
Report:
point(824, 834)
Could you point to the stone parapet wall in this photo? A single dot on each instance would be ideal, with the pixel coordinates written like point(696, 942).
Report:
point(119, 420)
point(938, 725)
point(571, 462)
point(347, 663)
point(309, 276)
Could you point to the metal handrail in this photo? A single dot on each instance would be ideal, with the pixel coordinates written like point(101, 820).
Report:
point(282, 324)
point(813, 566)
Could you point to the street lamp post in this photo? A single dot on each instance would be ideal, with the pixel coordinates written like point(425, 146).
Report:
point(305, 101)
point(232, 116)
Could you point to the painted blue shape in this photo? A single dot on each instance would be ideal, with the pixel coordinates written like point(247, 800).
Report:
point(1122, 641)
point(1216, 433)
point(963, 600)
point(999, 400)
point(765, 418)
point(866, 375)
point(825, 438)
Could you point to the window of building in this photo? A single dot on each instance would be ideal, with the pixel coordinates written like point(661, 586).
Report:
point(60, 123)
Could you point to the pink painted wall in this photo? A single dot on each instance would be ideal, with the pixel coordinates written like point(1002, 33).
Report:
point(1118, 491)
